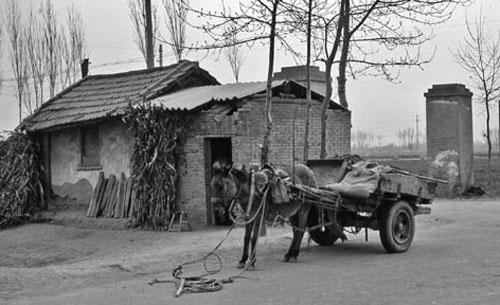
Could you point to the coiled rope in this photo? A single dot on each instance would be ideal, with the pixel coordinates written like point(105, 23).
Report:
point(203, 284)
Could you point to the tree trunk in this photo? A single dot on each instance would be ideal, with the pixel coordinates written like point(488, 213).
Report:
point(488, 138)
point(324, 107)
point(308, 85)
point(341, 79)
point(267, 110)
point(20, 105)
point(328, 91)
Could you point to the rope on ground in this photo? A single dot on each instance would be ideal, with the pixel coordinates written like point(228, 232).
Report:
point(202, 283)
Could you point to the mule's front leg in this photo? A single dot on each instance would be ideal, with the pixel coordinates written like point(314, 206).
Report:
point(290, 256)
point(299, 221)
point(246, 244)
point(255, 235)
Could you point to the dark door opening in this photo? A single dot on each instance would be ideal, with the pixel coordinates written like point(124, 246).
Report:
point(216, 149)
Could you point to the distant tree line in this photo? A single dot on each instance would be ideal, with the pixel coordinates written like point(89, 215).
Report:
point(406, 139)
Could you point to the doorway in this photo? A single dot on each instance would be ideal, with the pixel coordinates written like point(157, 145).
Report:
point(216, 149)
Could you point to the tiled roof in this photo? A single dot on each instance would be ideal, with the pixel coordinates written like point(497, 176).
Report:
point(100, 96)
point(197, 97)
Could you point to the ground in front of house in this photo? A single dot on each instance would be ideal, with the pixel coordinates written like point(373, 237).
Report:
point(453, 260)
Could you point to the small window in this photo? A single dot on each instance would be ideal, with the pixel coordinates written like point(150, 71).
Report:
point(90, 148)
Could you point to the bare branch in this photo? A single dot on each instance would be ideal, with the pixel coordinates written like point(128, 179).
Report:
point(234, 55)
point(176, 11)
point(18, 53)
point(138, 18)
point(76, 43)
point(36, 49)
point(52, 43)
point(480, 56)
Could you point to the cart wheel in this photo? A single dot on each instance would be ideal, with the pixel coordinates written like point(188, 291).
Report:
point(397, 227)
point(324, 236)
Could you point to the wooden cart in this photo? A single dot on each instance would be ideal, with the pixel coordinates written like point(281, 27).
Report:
point(390, 209)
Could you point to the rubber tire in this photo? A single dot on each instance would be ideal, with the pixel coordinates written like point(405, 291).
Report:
point(391, 243)
point(324, 238)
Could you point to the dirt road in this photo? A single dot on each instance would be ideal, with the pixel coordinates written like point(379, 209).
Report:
point(454, 260)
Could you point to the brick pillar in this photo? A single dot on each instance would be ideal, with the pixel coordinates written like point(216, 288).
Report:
point(449, 127)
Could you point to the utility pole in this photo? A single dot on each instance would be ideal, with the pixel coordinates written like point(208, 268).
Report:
point(149, 35)
point(160, 55)
point(416, 130)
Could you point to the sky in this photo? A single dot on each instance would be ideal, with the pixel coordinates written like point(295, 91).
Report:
point(377, 106)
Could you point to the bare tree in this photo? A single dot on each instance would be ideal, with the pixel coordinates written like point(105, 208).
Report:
point(35, 44)
point(75, 42)
point(18, 53)
point(301, 18)
point(480, 56)
point(375, 27)
point(52, 44)
point(365, 30)
point(176, 12)
point(234, 55)
point(330, 52)
point(138, 18)
point(309, 11)
point(361, 139)
point(64, 58)
point(272, 7)
point(71, 42)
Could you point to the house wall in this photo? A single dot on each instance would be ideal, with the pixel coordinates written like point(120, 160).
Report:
point(246, 129)
point(68, 178)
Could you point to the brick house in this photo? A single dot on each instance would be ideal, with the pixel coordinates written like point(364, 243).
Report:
point(82, 133)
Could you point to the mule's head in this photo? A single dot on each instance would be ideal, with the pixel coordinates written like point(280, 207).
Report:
point(223, 186)
point(233, 182)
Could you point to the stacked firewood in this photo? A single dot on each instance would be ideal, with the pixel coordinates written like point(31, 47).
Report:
point(112, 197)
point(21, 188)
point(159, 136)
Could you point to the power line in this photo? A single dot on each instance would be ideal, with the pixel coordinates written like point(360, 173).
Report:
point(132, 60)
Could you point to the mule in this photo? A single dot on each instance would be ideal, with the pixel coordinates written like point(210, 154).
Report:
point(233, 183)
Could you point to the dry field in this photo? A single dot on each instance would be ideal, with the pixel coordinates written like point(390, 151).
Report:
point(420, 166)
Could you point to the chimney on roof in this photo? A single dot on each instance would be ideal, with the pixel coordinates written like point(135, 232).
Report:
point(85, 67)
point(298, 74)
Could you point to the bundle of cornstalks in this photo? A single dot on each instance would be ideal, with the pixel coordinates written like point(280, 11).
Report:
point(159, 135)
point(21, 188)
